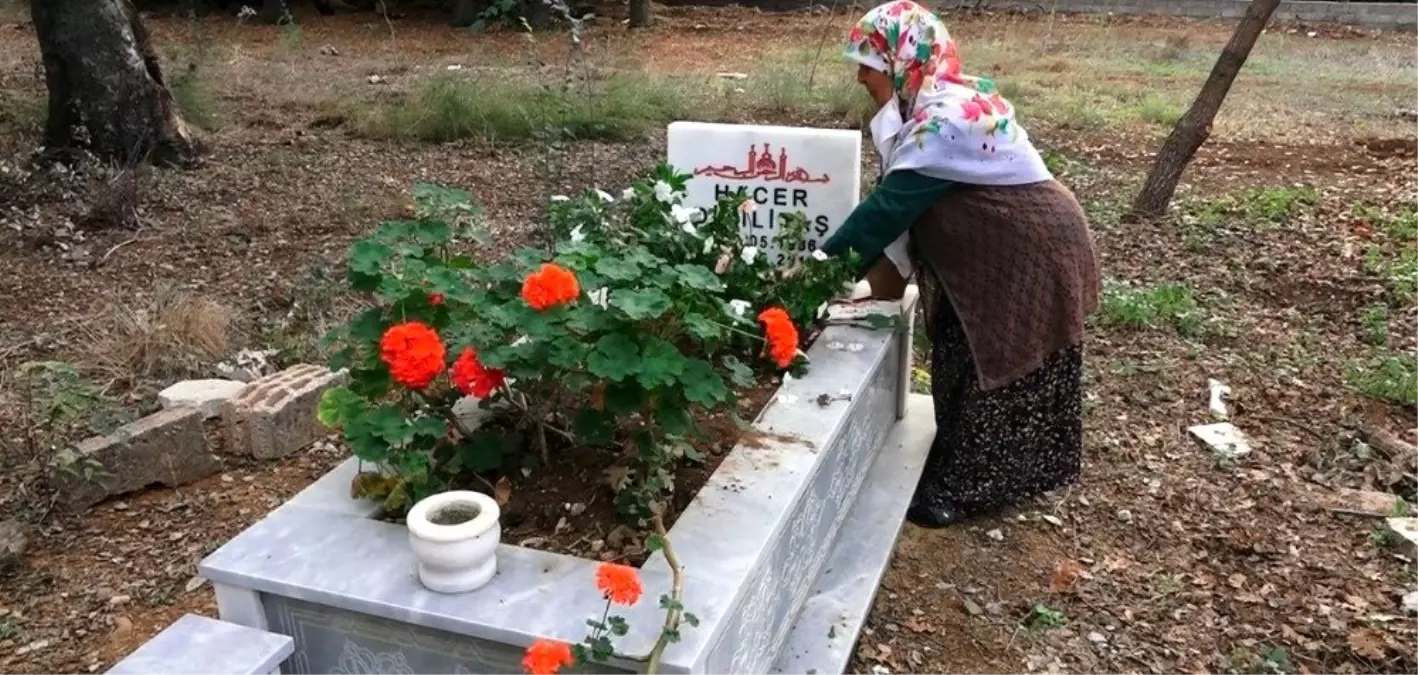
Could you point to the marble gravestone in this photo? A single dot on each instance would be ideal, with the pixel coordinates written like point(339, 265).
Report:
point(817, 172)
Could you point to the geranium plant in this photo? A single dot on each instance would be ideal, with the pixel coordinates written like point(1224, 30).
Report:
point(639, 312)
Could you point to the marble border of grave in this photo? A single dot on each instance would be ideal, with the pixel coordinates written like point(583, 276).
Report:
point(753, 542)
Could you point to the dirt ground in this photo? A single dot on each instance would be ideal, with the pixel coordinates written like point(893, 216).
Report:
point(1160, 559)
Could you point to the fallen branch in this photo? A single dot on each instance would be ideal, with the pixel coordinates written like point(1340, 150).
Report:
point(1388, 443)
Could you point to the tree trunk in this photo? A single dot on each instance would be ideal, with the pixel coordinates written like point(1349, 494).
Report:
point(1194, 127)
point(106, 90)
point(639, 13)
point(466, 13)
point(538, 14)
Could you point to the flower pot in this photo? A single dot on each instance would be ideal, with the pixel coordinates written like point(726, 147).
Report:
point(454, 535)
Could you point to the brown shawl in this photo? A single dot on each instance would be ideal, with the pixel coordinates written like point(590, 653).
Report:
point(1017, 264)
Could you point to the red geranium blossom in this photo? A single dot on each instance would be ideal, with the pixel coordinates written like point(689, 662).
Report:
point(413, 353)
point(472, 378)
point(549, 287)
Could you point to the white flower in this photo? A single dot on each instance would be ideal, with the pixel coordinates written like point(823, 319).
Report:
point(577, 236)
point(605, 196)
point(819, 255)
point(740, 307)
point(600, 297)
point(663, 191)
point(690, 229)
point(684, 216)
point(708, 244)
point(627, 193)
point(750, 253)
point(558, 199)
point(519, 341)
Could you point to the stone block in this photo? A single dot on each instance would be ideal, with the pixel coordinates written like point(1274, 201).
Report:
point(205, 395)
point(13, 541)
point(1405, 531)
point(276, 414)
point(166, 448)
point(197, 644)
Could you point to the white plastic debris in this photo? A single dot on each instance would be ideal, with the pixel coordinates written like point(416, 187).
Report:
point(1223, 438)
point(1219, 395)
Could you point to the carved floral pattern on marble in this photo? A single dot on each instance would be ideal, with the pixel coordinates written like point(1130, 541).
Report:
point(357, 660)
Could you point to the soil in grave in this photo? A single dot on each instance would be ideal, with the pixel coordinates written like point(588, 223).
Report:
point(571, 509)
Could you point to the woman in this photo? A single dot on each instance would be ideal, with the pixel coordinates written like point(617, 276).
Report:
point(1004, 258)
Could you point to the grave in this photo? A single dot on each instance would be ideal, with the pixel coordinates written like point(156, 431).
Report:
point(197, 644)
point(782, 169)
point(783, 547)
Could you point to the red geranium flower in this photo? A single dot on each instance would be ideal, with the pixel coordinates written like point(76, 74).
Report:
point(620, 583)
point(472, 378)
point(550, 286)
point(781, 336)
point(413, 353)
point(546, 657)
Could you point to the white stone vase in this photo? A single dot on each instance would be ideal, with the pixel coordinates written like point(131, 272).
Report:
point(454, 535)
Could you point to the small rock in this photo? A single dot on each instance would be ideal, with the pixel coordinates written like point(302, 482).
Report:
point(1124, 515)
point(32, 647)
point(193, 584)
point(119, 600)
point(329, 50)
point(1054, 520)
point(1224, 439)
point(205, 395)
point(972, 608)
point(994, 608)
point(1410, 603)
point(995, 534)
point(892, 628)
point(576, 509)
point(375, 79)
point(597, 545)
point(13, 542)
point(1097, 638)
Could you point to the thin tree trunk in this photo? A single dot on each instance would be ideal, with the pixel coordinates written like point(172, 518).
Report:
point(1195, 127)
point(639, 13)
point(106, 90)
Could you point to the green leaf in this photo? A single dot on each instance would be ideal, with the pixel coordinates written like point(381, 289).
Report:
point(649, 303)
point(389, 424)
point(673, 415)
point(702, 385)
point(690, 619)
point(619, 269)
point(660, 364)
point(741, 375)
point(699, 277)
point(367, 256)
point(669, 603)
point(654, 543)
point(615, 358)
point(618, 626)
point(703, 327)
point(338, 406)
point(368, 326)
point(433, 428)
point(567, 353)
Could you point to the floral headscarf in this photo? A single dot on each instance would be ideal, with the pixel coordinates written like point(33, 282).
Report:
point(956, 127)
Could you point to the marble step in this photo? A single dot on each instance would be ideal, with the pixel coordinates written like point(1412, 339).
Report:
point(197, 644)
point(825, 633)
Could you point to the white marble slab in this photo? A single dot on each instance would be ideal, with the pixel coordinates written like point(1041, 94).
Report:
point(825, 632)
point(197, 644)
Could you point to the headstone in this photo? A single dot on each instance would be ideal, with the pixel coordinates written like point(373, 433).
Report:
point(783, 169)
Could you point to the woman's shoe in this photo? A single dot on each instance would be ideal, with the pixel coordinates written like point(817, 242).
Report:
point(932, 517)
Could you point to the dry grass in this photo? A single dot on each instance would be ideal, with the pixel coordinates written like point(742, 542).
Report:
point(175, 335)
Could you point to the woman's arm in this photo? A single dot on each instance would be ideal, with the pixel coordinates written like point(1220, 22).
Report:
point(891, 209)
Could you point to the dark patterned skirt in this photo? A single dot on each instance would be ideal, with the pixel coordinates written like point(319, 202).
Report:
point(999, 447)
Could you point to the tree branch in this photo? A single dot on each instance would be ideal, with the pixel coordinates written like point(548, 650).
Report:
point(672, 617)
